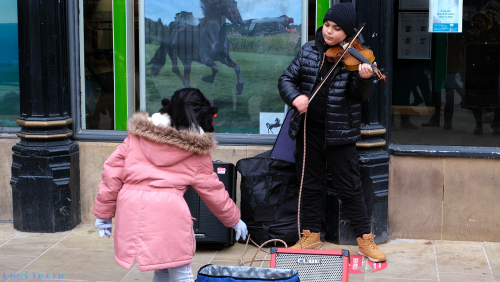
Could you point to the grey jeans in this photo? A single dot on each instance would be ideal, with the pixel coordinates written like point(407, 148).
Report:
point(182, 273)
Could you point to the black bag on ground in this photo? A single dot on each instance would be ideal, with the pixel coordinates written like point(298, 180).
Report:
point(269, 198)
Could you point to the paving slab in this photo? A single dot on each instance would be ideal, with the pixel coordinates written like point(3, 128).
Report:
point(10, 265)
point(461, 257)
point(7, 232)
point(357, 278)
point(31, 244)
point(86, 236)
point(203, 256)
point(492, 250)
point(79, 264)
point(465, 277)
point(135, 275)
point(408, 259)
point(226, 262)
point(233, 253)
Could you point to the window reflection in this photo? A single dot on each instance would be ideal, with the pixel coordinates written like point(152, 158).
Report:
point(311, 20)
point(481, 70)
point(233, 51)
point(453, 98)
point(98, 62)
point(9, 65)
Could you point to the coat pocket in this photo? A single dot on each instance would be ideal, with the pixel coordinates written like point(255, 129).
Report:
point(356, 173)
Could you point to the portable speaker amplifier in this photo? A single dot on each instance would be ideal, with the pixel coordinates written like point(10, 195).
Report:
point(313, 265)
point(207, 227)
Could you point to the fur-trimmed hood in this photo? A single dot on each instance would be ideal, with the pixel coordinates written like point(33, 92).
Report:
point(184, 143)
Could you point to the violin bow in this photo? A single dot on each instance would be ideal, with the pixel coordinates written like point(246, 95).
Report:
point(346, 47)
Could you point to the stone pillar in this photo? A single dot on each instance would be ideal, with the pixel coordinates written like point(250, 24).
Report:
point(45, 164)
point(374, 158)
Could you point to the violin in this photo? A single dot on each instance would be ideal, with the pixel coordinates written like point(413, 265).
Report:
point(351, 53)
point(355, 55)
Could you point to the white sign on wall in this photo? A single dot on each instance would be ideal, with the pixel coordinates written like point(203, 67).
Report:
point(445, 15)
point(414, 41)
point(270, 123)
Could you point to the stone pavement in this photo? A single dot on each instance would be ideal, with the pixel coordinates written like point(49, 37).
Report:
point(81, 255)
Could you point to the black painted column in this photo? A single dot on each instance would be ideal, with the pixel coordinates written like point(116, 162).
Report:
point(45, 165)
point(374, 158)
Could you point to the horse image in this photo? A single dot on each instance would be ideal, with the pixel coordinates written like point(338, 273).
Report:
point(271, 126)
point(204, 43)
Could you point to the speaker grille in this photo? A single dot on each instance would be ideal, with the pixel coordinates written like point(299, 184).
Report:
point(312, 268)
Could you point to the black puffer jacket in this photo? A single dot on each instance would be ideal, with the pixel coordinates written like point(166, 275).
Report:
point(347, 90)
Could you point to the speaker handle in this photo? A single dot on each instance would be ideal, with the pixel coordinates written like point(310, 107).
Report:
point(345, 253)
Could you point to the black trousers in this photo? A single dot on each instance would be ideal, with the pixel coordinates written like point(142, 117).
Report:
point(343, 163)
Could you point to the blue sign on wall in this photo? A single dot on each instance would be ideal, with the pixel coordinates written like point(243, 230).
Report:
point(445, 15)
point(445, 27)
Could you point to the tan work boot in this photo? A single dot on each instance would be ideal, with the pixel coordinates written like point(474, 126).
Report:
point(368, 248)
point(309, 241)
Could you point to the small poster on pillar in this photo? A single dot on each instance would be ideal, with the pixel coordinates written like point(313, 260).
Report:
point(414, 41)
point(233, 51)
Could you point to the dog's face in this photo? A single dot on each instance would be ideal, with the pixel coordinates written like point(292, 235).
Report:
point(205, 118)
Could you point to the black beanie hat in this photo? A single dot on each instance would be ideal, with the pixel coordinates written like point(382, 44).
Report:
point(343, 15)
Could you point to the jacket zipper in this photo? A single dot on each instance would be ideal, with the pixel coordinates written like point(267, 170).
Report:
point(326, 104)
point(321, 78)
point(319, 73)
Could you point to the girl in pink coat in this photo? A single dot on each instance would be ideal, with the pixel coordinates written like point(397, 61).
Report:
point(144, 181)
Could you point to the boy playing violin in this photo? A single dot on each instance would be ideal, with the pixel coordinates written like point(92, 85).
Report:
point(333, 120)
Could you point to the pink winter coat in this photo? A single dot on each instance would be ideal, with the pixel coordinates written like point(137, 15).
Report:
point(144, 181)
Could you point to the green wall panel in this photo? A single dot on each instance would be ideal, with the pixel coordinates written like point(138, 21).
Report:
point(120, 63)
point(322, 7)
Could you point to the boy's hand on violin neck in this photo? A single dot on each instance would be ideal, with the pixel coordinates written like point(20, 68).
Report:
point(365, 70)
point(301, 103)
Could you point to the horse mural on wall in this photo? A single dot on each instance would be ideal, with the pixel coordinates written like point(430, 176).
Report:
point(204, 43)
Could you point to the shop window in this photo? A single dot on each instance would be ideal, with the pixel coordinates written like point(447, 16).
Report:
point(311, 20)
point(233, 51)
point(9, 65)
point(446, 85)
point(98, 66)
